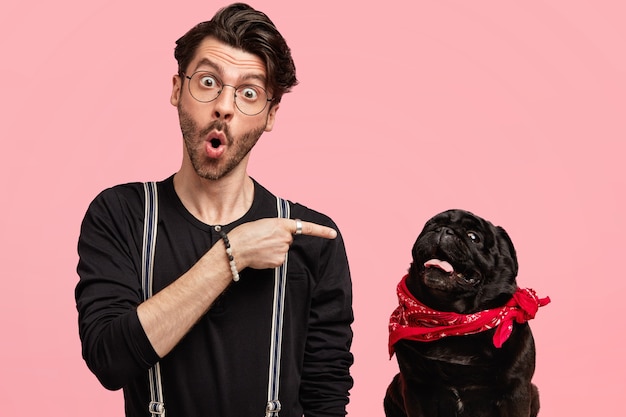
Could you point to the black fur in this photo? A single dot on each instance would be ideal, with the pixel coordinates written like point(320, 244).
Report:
point(464, 375)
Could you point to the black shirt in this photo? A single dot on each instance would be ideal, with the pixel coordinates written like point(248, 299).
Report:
point(220, 368)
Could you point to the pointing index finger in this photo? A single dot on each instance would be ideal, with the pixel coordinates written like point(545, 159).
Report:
point(314, 229)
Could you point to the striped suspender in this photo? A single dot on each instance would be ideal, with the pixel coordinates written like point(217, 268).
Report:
point(280, 281)
point(157, 406)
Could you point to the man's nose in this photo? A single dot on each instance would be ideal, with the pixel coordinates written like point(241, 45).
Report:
point(225, 103)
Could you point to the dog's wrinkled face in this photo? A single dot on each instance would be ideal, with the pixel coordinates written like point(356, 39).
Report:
point(462, 263)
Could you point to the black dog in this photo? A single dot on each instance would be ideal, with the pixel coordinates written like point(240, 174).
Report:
point(460, 334)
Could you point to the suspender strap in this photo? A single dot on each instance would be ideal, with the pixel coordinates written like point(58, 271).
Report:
point(157, 406)
point(151, 215)
point(280, 281)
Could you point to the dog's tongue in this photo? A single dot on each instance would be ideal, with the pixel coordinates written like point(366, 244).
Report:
point(436, 263)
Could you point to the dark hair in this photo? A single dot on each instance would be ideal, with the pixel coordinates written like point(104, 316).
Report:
point(241, 26)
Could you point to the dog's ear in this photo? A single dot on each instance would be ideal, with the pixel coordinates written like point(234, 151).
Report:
point(507, 244)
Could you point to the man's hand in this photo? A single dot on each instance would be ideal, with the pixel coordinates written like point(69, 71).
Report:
point(264, 243)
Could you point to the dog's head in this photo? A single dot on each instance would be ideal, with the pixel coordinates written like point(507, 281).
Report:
point(462, 263)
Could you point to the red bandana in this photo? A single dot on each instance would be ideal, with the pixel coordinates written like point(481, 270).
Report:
point(414, 321)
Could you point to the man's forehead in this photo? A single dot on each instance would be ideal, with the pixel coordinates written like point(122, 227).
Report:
point(227, 60)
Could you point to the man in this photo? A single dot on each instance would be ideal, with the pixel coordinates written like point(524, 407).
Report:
point(210, 334)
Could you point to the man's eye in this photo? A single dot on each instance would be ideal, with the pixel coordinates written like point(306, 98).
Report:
point(208, 81)
point(249, 93)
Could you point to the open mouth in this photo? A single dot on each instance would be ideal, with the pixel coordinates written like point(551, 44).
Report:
point(215, 143)
point(439, 264)
point(446, 268)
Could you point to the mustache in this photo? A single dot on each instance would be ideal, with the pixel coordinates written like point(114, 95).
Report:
point(219, 126)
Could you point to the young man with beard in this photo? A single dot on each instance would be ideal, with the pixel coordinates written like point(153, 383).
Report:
point(208, 324)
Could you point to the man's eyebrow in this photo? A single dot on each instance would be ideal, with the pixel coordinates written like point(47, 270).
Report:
point(206, 62)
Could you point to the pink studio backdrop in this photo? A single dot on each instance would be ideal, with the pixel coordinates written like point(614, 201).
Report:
point(405, 108)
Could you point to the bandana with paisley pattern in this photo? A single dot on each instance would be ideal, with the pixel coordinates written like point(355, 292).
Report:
point(414, 321)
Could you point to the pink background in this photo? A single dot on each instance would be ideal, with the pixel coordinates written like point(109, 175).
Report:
point(405, 108)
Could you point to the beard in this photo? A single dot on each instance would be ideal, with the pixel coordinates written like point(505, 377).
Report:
point(194, 138)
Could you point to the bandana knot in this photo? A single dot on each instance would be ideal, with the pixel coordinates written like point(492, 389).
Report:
point(415, 321)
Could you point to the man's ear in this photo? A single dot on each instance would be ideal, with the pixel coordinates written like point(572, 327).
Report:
point(271, 118)
point(177, 85)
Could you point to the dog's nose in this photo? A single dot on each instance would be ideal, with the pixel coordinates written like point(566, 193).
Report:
point(443, 230)
point(444, 234)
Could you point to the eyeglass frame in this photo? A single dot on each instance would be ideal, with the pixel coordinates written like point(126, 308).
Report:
point(267, 100)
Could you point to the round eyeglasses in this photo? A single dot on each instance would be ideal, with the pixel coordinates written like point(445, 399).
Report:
point(205, 87)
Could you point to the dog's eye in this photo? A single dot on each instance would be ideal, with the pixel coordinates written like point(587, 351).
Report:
point(473, 236)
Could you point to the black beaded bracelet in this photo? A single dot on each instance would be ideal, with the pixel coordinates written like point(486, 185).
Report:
point(229, 252)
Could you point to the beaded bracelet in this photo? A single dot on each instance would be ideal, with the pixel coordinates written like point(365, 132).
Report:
point(229, 252)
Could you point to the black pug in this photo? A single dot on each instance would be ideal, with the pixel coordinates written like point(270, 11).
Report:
point(460, 334)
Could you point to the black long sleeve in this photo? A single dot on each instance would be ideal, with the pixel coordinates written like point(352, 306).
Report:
point(224, 357)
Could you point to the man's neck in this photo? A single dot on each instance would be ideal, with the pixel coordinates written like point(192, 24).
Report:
point(215, 201)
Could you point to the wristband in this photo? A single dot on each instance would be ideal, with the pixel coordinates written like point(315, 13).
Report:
point(229, 252)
